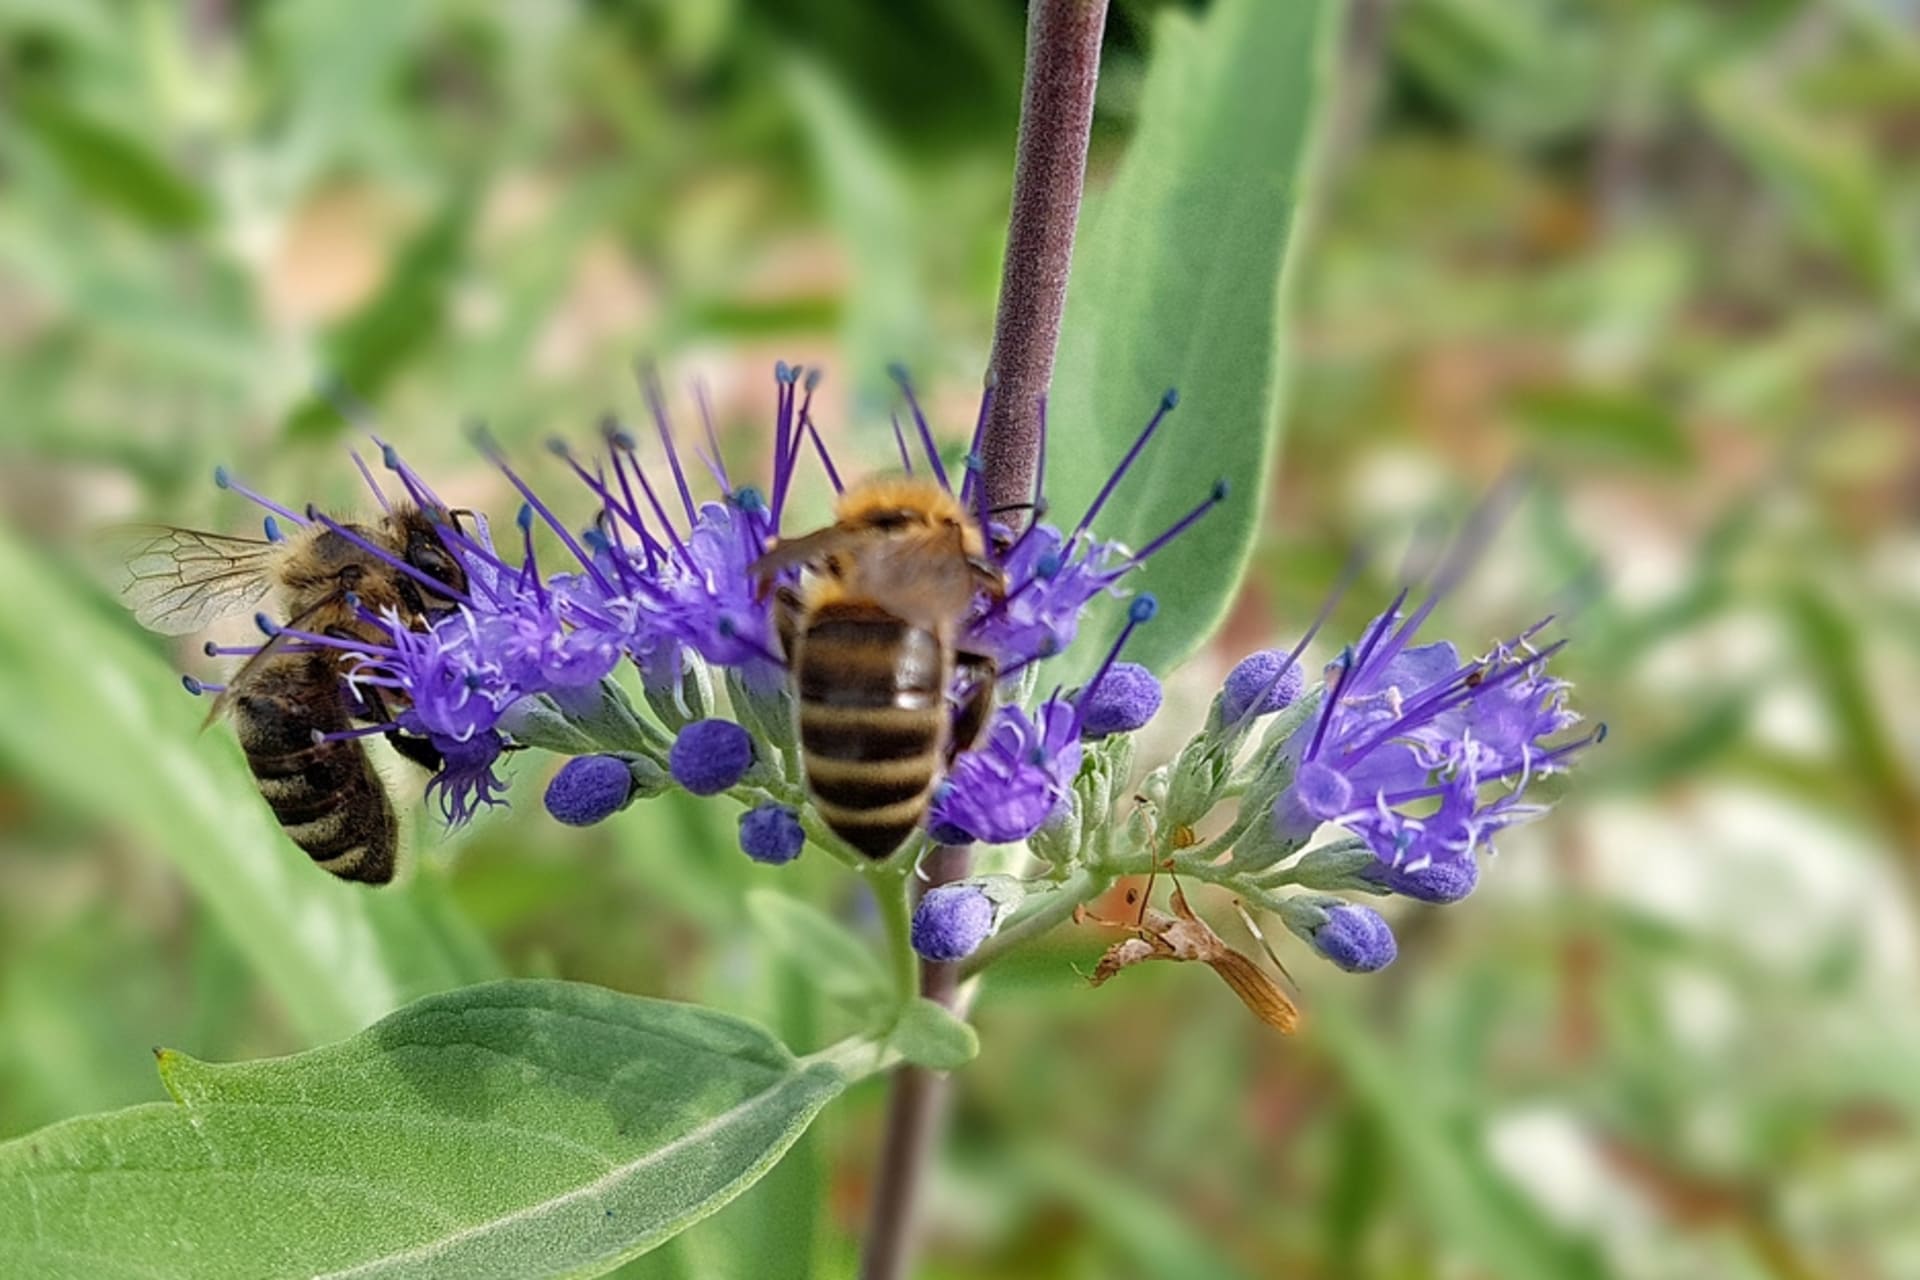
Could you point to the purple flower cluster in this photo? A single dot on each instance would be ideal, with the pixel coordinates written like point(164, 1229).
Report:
point(1018, 780)
point(1425, 755)
point(661, 580)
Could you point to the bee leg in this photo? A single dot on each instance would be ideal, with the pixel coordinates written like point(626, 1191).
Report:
point(988, 577)
point(971, 716)
point(419, 750)
point(787, 608)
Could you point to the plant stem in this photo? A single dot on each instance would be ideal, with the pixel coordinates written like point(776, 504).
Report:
point(891, 894)
point(1037, 916)
point(1050, 164)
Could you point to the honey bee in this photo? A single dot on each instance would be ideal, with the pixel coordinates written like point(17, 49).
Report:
point(290, 695)
point(870, 639)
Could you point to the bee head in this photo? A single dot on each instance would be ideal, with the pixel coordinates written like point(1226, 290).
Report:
point(424, 550)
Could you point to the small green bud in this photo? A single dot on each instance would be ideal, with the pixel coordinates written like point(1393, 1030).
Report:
point(761, 702)
point(1199, 774)
point(537, 722)
point(603, 711)
point(1337, 866)
point(680, 702)
point(1058, 841)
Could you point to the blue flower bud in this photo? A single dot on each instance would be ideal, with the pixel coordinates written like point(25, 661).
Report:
point(710, 755)
point(1262, 683)
point(771, 834)
point(589, 789)
point(1124, 699)
point(951, 921)
point(1355, 938)
point(1440, 881)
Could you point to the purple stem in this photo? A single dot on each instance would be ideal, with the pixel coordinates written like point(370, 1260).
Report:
point(1050, 162)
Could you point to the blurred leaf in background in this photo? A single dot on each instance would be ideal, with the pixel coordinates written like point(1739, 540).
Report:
point(1661, 250)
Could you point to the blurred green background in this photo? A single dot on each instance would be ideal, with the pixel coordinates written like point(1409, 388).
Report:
point(1668, 251)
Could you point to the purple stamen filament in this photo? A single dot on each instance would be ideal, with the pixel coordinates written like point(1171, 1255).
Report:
point(926, 432)
point(1167, 402)
point(900, 442)
point(650, 384)
point(224, 480)
point(1180, 526)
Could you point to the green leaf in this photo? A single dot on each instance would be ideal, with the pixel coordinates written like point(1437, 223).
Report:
point(1464, 1196)
point(1134, 1222)
point(863, 191)
point(1179, 281)
point(819, 947)
point(1825, 177)
point(931, 1036)
point(376, 342)
point(98, 720)
point(514, 1129)
point(110, 167)
point(1604, 423)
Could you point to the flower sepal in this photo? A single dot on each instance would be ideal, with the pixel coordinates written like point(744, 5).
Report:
point(538, 722)
point(1269, 768)
point(603, 711)
point(760, 701)
point(1339, 866)
point(1060, 838)
point(680, 702)
point(1259, 846)
point(1198, 778)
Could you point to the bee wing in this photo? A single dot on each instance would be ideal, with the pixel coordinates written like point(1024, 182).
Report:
point(807, 549)
point(921, 578)
point(179, 580)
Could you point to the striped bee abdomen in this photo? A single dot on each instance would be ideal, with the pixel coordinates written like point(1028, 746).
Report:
point(873, 717)
point(326, 794)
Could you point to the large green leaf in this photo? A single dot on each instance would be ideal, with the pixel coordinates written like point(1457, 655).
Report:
point(98, 720)
point(1179, 281)
point(514, 1129)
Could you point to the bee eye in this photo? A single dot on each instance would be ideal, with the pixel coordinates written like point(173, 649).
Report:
point(890, 519)
point(434, 562)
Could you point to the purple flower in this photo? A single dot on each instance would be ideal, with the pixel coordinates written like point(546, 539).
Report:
point(1003, 790)
point(1426, 756)
point(951, 922)
point(660, 578)
point(1049, 586)
point(466, 779)
point(714, 605)
point(771, 833)
point(710, 756)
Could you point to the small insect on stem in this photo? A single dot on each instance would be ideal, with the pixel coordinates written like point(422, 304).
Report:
point(1184, 936)
point(1253, 927)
